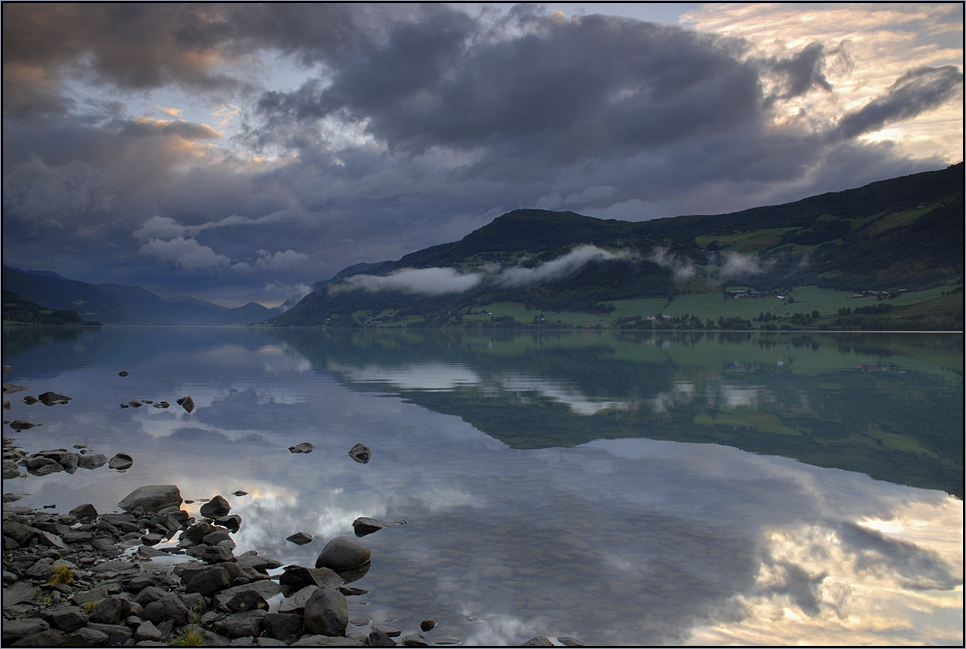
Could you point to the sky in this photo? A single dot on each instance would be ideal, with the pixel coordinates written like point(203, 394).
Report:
point(241, 152)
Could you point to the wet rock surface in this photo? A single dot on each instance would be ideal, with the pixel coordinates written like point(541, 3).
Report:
point(360, 453)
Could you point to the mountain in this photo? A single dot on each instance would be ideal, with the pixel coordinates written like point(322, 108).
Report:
point(16, 309)
point(901, 233)
point(119, 304)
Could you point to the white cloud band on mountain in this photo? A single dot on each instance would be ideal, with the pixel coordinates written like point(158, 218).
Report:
point(440, 281)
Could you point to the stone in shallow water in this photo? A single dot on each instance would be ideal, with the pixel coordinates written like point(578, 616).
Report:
point(343, 553)
point(360, 453)
point(302, 447)
point(215, 507)
point(151, 498)
point(121, 462)
point(299, 538)
point(365, 525)
point(187, 403)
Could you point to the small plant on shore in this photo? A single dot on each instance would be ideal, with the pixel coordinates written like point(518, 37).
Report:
point(90, 605)
point(193, 635)
point(61, 575)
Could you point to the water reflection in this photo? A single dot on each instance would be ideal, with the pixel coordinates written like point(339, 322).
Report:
point(627, 540)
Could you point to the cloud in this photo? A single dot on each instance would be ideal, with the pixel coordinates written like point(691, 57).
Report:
point(56, 195)
point(421, 281)
point(914, 92)
point(739, 265)
point(186, 253)
point(440, 281)
point(558, 268)
point(682, 268)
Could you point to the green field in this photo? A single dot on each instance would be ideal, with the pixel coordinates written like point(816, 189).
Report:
point(711, 306)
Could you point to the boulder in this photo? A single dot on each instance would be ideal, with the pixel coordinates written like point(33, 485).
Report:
point(65, 617)
point(240, 625)
point(380, 639)
point(45, 638)
point(326, 613)
point(169, 607)
point(296, 602)
point(283, 626)
point(13, 630)
point(208, 582)
point(360, 453)
point(108, 611)
point(343, 553)
point(147, 631)
point(302, 447)
point(215, 507)
point(121, 462)
point(538, 641)
point(247, 600)
point(151, 498)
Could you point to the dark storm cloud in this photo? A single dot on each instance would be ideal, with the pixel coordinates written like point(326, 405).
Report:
point(913, 93)
point(411, 125)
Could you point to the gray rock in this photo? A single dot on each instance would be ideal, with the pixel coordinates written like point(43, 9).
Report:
point(46, 638)
point(135, 403)
point(198, 531)
point(215, 507)
point(117, 634)
point(388, 629)
point(70, 462)
point(296, 603)
point(427, 625)
point(187, 403)
point(13, 630)
point(149, 594)
point(94, 461)
point(65, 617)
point(21, 424)
point(302, 447)
point(84, 511)
point(255, 562)
point(267, 588)
point(343, 553)
point(360, 453)
point(298, 577)
point(380, 639)
point(247, 600)
point(108, 611)
point(538, 641)
point(365, 525)
point(415, 640)
point(268, 642)
point(283, 626)
point(19, 532)
point(567, 641)
point(87, 637)
point(121, 462)
point(208, 582)
point(123, 373)
point(14, 497)
point(19, 592)
point(151, 498)
point(39, 465)
point(52, 398)
point(10, 388)
point(231, 523)
point(169, 607)
point(217, 554)
point(299, 538)
point(326, 613)
point(216, 536)
point(239, 625)
point(446, 640)
point(147, 631)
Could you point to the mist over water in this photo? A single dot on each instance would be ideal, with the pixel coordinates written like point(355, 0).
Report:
point(617, 489)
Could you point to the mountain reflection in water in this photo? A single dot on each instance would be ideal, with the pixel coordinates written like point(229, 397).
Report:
point(575, 492)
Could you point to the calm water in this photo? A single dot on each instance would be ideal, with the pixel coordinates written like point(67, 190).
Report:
point(619, 489)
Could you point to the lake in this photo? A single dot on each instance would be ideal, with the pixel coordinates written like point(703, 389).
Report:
point(619, 488)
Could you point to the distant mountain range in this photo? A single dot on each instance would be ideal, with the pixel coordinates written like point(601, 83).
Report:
point(119, 304)
point(903, 233)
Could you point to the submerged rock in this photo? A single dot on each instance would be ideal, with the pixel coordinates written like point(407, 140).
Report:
point(122, 373)
point(360, 453)
point(187, 403)
point(365, 525)
point(302, 447)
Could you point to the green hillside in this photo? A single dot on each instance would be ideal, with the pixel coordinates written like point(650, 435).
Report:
point(21, 311)
point(888, 240)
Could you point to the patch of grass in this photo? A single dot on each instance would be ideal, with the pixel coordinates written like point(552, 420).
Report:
point(61, 575)
point(192, 635)
point(90, 605)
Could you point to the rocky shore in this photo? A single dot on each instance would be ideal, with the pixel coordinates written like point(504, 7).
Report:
point(152, 575)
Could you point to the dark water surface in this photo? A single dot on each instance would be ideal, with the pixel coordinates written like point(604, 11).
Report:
point(621, 489)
